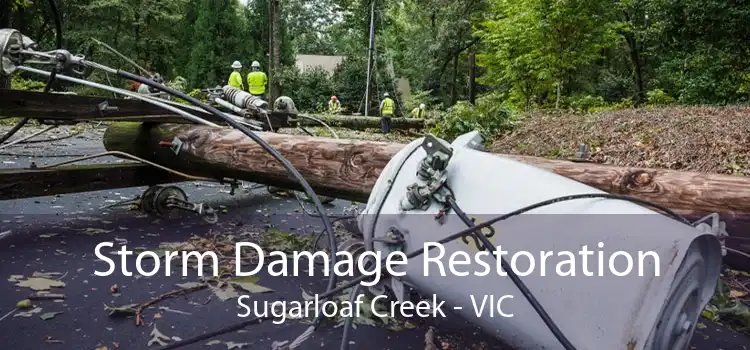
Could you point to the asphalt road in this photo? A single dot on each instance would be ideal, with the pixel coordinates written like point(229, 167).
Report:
point(59, 234)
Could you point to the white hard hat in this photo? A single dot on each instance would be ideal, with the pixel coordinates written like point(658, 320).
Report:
point(421, 105)
point(385, 94)
point(255, 64)
point(236, 64)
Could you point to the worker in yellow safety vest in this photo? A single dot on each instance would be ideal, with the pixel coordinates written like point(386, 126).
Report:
point(386, 113)
point(257, 80)
point(418, 112)
point(235, 79)
point(334, 105)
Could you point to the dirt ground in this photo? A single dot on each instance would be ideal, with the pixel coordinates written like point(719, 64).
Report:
point(703, 139)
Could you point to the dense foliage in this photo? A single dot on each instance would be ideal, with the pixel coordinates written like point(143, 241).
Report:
point(570, 54)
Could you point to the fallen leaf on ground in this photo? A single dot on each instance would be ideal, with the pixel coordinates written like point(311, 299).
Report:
point(124, 310)
point(277, 345)
point(24, 304)
point(49, 315)
point(189, 285)
point(158, 338)
point(164, 308)
point(46, 295)
point(248, 283)
point(225, 292)
point(114, 288)
point(51, 275)
point(157, 316)
point(173, 246)
point(40, 283)
point(102, 348)
point(29, 313)
point(15, 278)
point(50, 235)
point(737, 293)
point(232, 345)
point(213, 342)
point(90, 231)
point(51, 340)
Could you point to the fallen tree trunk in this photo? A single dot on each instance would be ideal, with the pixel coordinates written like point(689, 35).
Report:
point(362, 123)
point(353, 166)
point(348, 169)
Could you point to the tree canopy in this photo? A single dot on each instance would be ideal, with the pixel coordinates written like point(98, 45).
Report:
point(530, 53)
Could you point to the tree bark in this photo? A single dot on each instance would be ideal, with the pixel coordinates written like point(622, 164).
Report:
point(362, 123)
point(635, 58)
point(351, 167)
point(275, 59)
point(472, 77)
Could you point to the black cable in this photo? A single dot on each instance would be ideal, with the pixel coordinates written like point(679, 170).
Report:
point(58, 23)
point(564, 341)
point(465, 232)
point(273, 152)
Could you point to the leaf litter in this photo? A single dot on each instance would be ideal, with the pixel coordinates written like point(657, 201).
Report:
point(29, 313)
point(158, 338)
point(49, 315)
point(225, 287)
point(39, 283)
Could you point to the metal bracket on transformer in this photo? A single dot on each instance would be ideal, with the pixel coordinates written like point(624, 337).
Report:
point(432, 175)
point(713, 225)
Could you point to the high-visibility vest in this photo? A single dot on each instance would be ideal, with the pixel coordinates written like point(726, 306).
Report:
point(256, 82)
point(417, 112)
point(235, 80)
point(387, 108)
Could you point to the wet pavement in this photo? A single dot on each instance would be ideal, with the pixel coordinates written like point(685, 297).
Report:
point(59, 234)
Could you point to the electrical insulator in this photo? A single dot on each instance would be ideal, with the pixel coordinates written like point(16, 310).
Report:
point(243, 99)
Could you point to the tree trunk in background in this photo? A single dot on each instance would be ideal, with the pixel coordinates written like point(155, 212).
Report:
point(635, 58)
point(454, 89)
point(472, 77)
point(4, 23)
point(275, 59)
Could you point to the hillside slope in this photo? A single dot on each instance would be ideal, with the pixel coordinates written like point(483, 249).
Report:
point(704, 139)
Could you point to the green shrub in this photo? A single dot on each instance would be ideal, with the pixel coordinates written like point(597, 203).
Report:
point(490, 116)
point(585, 103)
point(19, 83)
point(422, 96)
point(658, 97)
point(310, 90)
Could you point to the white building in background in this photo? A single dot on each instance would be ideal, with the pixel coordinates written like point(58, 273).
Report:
point(327, 63)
